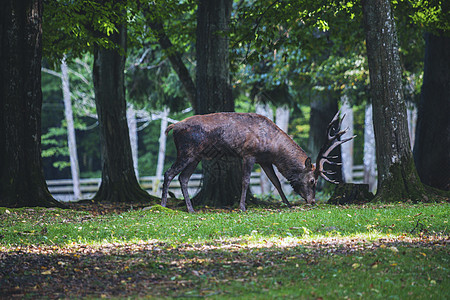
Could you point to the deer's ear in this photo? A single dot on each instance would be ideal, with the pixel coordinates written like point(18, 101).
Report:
point(308, 164)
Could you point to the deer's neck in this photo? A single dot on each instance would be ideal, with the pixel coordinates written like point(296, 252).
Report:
point(291, 160)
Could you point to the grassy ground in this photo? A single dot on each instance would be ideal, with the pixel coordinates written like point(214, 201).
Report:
point(394, 251)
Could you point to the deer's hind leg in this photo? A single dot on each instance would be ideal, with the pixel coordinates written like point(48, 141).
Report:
point(184, 179)
point(247, 165)
point(173, 171)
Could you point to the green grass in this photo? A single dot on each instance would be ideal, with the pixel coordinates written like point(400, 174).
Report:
point(61, 227)
point(396, 251)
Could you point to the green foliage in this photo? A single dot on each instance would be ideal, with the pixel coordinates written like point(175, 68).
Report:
point(54, 139)
point(72, 27)
point(430, 14)
point(151, 82)
point(54, 143)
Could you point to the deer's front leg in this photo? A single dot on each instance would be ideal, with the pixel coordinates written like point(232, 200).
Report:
point(270, 172)
point(247, 166)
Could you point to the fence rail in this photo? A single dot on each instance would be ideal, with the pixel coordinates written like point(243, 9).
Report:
point(62, 189)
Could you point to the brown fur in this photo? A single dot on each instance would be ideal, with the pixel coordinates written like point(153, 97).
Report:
point(253, 138)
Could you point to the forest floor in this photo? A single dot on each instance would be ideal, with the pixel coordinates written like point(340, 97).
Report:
point(115, 251)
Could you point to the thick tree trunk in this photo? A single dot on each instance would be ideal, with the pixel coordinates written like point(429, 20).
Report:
point(22, 180)
point(119, 183)
point(221, 176)
point(323, 108)
point(397, 175)
point(72, 143)
point(213, 65)
point(432, 144)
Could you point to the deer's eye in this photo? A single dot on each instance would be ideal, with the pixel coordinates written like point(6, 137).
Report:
point(312, 181)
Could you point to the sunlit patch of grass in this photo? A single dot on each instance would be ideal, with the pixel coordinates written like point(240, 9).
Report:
point(373, 251)
point(369, 222)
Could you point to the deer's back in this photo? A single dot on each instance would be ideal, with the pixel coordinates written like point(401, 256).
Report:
point(240, 134)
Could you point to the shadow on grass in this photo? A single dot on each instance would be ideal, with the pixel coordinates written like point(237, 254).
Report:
point(323, 268)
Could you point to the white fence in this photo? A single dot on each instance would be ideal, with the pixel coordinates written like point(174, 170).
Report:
point(62, 189)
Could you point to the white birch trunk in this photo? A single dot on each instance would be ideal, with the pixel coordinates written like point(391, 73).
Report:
point(347, 148)
point(282, 121)
point(370, 175)
point(132, 128)
point(412, 121)
point(162, 151)
point(282, 118)
point(74, 167)
point(264, 110)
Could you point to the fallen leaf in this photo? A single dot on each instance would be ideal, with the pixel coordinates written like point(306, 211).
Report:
point(356, 266)
point(393, 249)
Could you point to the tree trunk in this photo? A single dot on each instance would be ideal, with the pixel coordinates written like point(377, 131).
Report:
point(22, 180)
point(370, 175)
point(119, 183)
point(221, 176)
point(213, 65)
point(175, 58)
point(347, 148)
point(431, 148)
point(161, 151)
point(411, 111)
point(132, 127)
point(72, 143)
point(323, 108)
point(397, 175)
point(282, 121)
point(264, 109)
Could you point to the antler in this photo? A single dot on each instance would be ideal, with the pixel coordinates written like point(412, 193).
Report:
point(334, 133)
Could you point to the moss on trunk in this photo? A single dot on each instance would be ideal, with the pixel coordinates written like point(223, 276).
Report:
point(123, 191)
point(402, 184)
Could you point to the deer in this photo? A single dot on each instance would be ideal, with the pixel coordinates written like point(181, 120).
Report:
point(254, 139)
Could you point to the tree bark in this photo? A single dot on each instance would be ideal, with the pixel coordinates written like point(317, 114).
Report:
point(119, 183)
point(71, 140)
point(22, 180)
point(221, 176)
point(432, 144)
point(213, 65)
point(397, 175)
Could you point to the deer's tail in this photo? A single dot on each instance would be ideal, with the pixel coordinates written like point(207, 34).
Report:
point(169, 128)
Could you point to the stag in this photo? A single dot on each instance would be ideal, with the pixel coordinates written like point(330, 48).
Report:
point(255, 139)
